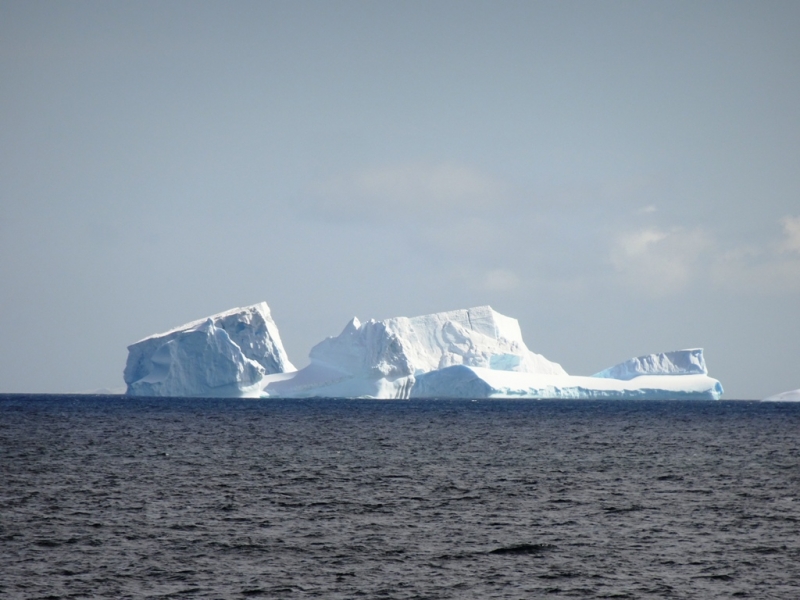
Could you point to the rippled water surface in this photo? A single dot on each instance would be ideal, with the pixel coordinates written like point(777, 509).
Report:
point(113, 497)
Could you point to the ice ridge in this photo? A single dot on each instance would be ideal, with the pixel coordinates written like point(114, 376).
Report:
point(678, 362)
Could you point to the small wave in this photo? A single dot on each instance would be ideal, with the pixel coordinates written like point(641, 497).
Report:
point(523, 549)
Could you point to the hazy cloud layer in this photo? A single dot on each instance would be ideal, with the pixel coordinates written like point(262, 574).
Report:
point(791, 232)
point(660, 262)
point(415, 192)
point(772, 267)
point(667, 261)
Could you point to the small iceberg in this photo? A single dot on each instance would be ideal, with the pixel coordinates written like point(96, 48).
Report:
point(790, 396)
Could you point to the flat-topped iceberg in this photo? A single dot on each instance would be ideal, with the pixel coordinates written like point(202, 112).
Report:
point(382, 359)
point(472, 382)
point(470, 353)
point(679, 374)
point(227, 354)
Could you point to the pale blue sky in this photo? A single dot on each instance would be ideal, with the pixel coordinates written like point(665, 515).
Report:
point(622, 177)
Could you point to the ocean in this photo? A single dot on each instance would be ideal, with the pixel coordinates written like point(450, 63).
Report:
point(114, 497)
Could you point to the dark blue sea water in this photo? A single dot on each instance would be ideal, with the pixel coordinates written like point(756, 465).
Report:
point(110, 497)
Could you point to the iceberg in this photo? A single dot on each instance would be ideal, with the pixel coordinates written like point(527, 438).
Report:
point(790, 396)
point(227, 354)
point(469, 353)
point(680, 362)
point(681, 374)
point(383, 359)
point(471, 382)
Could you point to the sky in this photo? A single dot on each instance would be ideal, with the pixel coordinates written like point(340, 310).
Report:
point(622, 177)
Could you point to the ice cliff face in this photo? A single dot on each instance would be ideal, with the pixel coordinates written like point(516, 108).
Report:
point(384, 358)
point(226, 354)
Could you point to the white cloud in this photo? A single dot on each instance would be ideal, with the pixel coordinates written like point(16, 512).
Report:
point(769, 268)
point(636, 244)
point(659, 262)
point(791, 231)
point(501, 280)
point(757, 274)
point(407, 192)
point(471, 238)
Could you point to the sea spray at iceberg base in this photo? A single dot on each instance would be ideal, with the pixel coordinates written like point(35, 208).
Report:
point(469, 353)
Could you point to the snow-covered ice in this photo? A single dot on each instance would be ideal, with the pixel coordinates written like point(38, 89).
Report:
point(227, 354)
point(475, 353)
point(382, 359)
point(679, 362)
point(472, 382)
point(790, 396)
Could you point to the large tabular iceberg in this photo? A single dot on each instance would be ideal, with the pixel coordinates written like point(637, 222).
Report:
point(471, 353)
point(382, 359)
point(227, 354)
point(654, 377)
